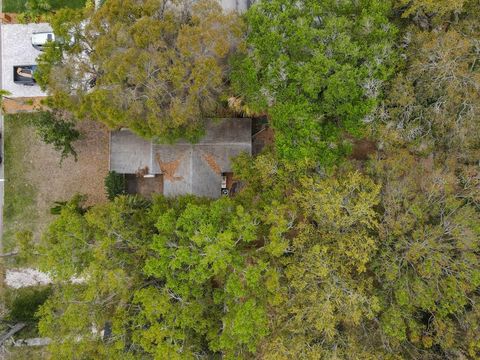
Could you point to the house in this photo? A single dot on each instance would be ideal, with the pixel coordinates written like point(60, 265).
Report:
point(18, 52)
point(202, 169)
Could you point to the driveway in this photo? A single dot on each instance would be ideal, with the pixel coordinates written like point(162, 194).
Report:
point(17, 50)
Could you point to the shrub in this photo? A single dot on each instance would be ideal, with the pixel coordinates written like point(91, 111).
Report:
point(25, 302)
point(115, 184)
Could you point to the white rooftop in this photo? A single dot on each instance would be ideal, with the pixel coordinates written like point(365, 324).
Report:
point(17, 50)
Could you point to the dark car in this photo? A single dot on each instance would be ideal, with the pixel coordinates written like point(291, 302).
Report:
point(24, 74)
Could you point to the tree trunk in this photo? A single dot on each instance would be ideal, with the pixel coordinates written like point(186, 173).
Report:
point(7, 335)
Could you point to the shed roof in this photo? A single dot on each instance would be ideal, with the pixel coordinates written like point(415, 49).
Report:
point(186, 168)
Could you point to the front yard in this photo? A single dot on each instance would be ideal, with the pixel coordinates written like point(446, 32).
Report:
point(35, 179)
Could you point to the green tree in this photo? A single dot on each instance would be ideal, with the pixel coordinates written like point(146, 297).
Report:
point(53, 130)
point(326, 288)
point(318, 69)
point(428, 265)
point(437, 7)
point(3, 95)
point(179, 277)
point(95, 259)
point(432, 107)
point(212, 283)
point(144, 65)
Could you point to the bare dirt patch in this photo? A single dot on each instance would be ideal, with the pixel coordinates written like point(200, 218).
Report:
point(59, 182)
point(36, 167)
point(362, 149)
point(16, 105)
point(9, 18)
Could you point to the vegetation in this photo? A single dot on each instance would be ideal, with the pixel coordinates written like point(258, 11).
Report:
point(25, 302)
point(317, 69)
point(319, 255)
point(115, 184)
point(40, 6)
point(155, 70)
point(52, 130)
point(20, 194)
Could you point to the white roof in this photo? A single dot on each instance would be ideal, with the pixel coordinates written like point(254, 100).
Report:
point(42, 38)
point(17, 50)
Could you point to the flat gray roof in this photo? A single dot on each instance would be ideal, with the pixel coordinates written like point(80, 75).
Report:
point(235, 5)
point(17, 50)
point(186, 168)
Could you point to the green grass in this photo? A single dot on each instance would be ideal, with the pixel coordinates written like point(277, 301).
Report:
point(18, 6)
point(20, 196)
point(27, 353)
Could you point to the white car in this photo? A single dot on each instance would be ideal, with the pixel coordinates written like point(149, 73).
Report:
point(40, 39)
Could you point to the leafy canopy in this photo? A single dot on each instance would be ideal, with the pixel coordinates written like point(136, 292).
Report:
point(146, 65)
point(317, 68)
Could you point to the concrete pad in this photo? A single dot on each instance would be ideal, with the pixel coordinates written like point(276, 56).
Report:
point(17, 50)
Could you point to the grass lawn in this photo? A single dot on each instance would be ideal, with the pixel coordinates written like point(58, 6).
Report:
point(26, 353)
point(35, 179)
point(18, 6)
point(20, 194)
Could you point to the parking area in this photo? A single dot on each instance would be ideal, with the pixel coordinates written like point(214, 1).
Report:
point(17, 50)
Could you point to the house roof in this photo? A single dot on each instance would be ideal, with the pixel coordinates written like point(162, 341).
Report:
point(17, 50)
point(186, 168)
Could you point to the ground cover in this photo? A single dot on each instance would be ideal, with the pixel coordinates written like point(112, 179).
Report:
point(18, 6)
point(36, 179)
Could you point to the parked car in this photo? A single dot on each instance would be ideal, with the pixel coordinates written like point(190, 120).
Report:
point(24, 74)
point(40, 39)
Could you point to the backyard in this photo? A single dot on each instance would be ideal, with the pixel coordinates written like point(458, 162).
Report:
point(35, 179)
point(18, 6)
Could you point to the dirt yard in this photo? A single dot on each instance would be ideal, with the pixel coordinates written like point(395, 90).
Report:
point(34, 166)
point(86, 176)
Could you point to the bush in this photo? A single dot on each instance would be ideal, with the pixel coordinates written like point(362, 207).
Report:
point(115, 184)
point(25, 302)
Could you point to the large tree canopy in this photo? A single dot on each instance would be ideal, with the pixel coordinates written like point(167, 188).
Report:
point(317, 68)
point(155, 66)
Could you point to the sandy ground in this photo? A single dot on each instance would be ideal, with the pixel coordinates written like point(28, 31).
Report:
point(60, 182)
point(12, 106)
point(19, 278)
point(86, 176)
point(24, 277)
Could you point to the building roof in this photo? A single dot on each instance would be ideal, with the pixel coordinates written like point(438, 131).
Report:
point(17, 50)
point(186, 168)
point(235, 5)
